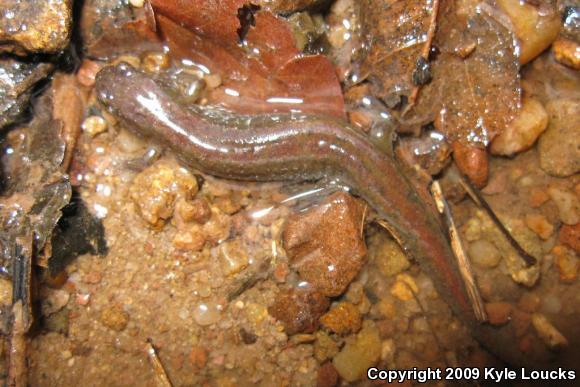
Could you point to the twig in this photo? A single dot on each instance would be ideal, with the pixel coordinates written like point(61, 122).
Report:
point(481, 202)
point(457, 246)
point(160, 374)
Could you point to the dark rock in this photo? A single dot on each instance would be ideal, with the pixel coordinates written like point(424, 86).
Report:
point(299, 309)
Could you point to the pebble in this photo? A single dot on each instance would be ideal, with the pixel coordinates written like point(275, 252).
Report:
point(155, 62)
point(522, 132)
point(566, 263)
point(538, 197)
point(388, 350)
point(343, 319)
point(94, 125)
point(389, 257)
point(559, 145)
point(327, 376)
point(137, 3)
point(233, 256)
point(5, 292)
point(570, 236)
point(198, 357)
point(299, 309)
point(567, 203)
point(540, 225)
point(484, 254)
point(189, 238)
point(498, 313)
point(548, 333)
point(53, 300)
point(206, 313)
point(404, 288)
point(324, 347)
point(115, 318)
point(325, 244)
point(357, 356)
point(567, 52)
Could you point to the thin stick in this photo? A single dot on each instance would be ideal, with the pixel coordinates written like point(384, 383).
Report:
point(481, 202)
point(462, 260)
point(160, 374)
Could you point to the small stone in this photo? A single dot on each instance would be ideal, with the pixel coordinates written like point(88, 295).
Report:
point(212, 81)
point(83, 299)
point(567, 203)
point(324, 347)
point(559, 145)
point(197, 210)
point(498, 313)
point(388, 350)
point(548, 332)
point(327, 376)
point(234, 257)
point(87, 72)
point(389, 257)
point(342, 319)
point(570, 236)
point(540, 225)
point(94, 125)
point(137, 3)
point(538, 197)
point(484, 254)
point(521, 133)
point(155, 62)
point(94, 277)
point(299, 309)
point(404, 288)
point(325, 244)
point(567, 264)
point(115, 318)
point(198, 357)
point(35, 26)
point(567, 52)
point(155, 190)
point(5, 292)
point(529, 302)
point(191, 238)
point(53, 300)
point(357, 356)
point(206, 313)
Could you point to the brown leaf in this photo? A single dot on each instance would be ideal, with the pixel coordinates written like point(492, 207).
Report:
point(399, 34)
point(475, 90)
point(261, 84)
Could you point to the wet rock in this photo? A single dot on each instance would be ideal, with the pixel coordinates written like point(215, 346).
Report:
point(484, 254)
point(324, 347)
point(566, 263)
point(567, 52)
point(342, 319)
point(155, 190)
point(498, 313)
point(17, 80)
point(567, 203)
point(114, 317)
point(53, 300)
point(357, 356)
point(299, 309)
point(540, 225)
point(559, 145)
point(388, 256)
point(197, 210)
point(327, 376)
point(35, 26)
point(190, 238)
point(548, 332)
point(325, 244)
point(198, 357)
point(233, 256)
point(521, 133)
point(405, 288)
point(570, 236)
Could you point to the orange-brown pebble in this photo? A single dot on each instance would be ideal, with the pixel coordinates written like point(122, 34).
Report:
point(498, 313)
point(538, 197)
point(325, 244)
point(198, 357)
point(360, 119)
point(567, 52)
point(281, 271)
point(327, 376)
point(87, 72)
point(93, 277)
point(115, 318)
point(529, 302)
point(472, 161)
point(197, 210)
point(540, 225)
point(570, 236)
point(566, 263)
point(299, 309)
point(191, 238)
point(342, 319)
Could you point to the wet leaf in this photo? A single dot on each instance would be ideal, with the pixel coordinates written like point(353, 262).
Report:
point(399, 36)
point(252, 84)
point(475, 89)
